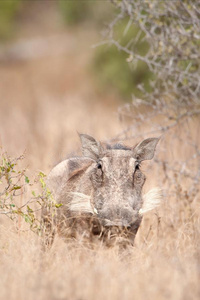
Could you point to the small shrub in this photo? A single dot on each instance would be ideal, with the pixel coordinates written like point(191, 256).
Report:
point(14, 199)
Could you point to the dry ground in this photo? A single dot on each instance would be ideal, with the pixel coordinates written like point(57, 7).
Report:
point(44, 99)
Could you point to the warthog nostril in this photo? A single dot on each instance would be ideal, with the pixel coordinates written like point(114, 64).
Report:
point(116, 223)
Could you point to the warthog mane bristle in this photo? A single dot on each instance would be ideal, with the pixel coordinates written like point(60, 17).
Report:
point(81, 203)
point(151, 200)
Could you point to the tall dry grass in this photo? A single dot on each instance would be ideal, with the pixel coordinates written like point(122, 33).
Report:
point(164, 264)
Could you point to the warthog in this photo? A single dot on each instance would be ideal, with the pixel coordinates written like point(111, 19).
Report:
point(101, 192)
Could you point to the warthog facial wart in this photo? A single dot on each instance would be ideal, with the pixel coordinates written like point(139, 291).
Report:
point(101, 192)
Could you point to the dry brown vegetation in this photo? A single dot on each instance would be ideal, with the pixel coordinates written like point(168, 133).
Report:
point(43, 101)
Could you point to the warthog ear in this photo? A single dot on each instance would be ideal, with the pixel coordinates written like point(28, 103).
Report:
point(90, 147)
point(146, 149)
point(65, 170)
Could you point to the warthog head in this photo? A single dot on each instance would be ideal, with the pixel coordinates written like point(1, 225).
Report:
point(106, 183)
point(116, 180)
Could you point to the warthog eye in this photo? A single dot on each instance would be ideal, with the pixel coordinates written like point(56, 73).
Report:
point(137, 165)
point(99, 165)
point(138, 176)
point(97, 174)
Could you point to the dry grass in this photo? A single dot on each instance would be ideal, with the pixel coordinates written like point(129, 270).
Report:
point(164, 264)
point(42, 104)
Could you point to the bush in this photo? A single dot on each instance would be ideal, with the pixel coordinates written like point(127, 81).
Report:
point(15, 203)
point(172, 31)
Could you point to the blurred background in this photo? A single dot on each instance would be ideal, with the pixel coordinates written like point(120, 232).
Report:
point(48, 79)
point(53, 82)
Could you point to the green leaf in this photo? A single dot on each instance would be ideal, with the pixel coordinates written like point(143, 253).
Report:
point(17, 187)
point(42, 182)
point(57, 205)
point(41, 174)
point(33, 193)
point(27, 219)
point(29, 209)
point(27, 179)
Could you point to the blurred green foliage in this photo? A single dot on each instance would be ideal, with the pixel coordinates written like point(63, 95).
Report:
point(110, 66)
point(8, 12)
point(116, 70)
point(113, 68)
point(75, 12)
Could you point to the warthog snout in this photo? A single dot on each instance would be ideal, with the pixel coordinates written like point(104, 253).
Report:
point(118, 216)
point(102, 189)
